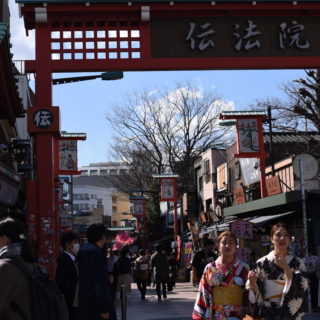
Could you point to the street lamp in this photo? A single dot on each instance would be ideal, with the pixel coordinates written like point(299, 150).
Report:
point(114, 75)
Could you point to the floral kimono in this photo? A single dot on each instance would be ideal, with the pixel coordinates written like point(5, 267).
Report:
point(278, 298)
point(221, 291)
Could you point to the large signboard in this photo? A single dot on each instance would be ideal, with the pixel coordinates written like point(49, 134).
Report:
point(231, 36)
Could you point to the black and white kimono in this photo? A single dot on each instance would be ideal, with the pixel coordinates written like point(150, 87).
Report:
point(278, 298)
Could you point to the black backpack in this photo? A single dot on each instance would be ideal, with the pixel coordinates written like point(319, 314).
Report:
point(47, 302)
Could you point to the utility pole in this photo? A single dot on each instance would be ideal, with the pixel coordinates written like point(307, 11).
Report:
point(271, 140)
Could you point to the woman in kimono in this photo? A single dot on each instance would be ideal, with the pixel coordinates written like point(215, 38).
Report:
point(221, 291)
point(278, 286)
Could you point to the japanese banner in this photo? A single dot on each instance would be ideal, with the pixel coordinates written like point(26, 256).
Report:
point(244, 254)
point(139, 208)
point(248, 139)
point(67, 150)
point(168, 190)
point(242, 229)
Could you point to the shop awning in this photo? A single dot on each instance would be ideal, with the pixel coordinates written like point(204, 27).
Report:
point(263, 219)
point(283, 202)
point(257, 220)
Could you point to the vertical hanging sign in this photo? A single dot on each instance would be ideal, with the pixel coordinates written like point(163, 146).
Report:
point(168, 190)
point(248, 139)
point(66, 155)
point(139, 209)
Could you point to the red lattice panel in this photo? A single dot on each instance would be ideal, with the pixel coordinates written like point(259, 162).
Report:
point(113, 40)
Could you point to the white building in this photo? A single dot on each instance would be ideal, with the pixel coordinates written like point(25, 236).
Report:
point(103, 169)
point(91, 192)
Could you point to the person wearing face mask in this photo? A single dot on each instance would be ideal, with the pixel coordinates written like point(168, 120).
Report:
point(95, 293)
point(67, 272)
point(278, 286)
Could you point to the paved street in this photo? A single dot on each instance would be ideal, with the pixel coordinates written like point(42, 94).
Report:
point(178, 305)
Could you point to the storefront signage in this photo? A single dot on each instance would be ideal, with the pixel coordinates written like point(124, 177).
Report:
point(239, 196)
point(273, 186)
point(244, 254)
point(235, 37)
point(242, 229)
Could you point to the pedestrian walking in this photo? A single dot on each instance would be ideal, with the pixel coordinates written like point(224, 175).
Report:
point(160, 269)
point(122, 271)
point(173, 268)
point(141, 271)
point(278, 285)
point(222, 293)
point(201, 259)
point(67, 273)
point(111, 260)
point(95, 294)
point(15, 286)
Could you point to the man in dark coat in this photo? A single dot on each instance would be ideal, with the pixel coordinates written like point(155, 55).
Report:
point(67, 272)
point(202, 258)
point(95, 293)
point(159, 265)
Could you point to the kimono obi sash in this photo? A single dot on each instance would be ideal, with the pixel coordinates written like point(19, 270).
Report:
point(227, 295)
point(273, 290)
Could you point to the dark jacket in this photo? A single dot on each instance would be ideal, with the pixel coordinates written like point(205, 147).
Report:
point(95, 295)
point(67, 277)
point(200, 260)
point(159, 265)
point(15, 286)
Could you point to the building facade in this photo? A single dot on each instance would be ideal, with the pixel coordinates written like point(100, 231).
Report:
point(103, 169)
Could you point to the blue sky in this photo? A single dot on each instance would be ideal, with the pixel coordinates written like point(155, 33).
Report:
point(84, 105)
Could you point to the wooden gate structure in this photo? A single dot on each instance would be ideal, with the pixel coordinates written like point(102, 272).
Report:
point(113, 35)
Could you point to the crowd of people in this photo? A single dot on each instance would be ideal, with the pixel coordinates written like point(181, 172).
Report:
point(90, 277)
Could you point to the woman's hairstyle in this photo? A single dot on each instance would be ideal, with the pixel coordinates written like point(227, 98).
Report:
point(278, 226)
point(15, 231)
point(227, 233)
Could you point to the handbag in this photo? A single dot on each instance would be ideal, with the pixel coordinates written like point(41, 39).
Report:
point(253, 311)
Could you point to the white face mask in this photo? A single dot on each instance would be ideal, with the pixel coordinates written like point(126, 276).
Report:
point(76, 248)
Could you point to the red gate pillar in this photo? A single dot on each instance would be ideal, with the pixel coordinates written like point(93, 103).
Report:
point(43, 122)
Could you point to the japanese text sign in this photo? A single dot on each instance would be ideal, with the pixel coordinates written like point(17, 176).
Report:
point(273, 185)
point(239, 196)
point(243, 254)
point(242, 229)
point(235, 36)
